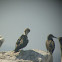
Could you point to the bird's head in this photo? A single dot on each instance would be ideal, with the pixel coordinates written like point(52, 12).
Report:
point(50, 36)
point(27, 30)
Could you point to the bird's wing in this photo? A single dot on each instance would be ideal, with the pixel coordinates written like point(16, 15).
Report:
point(52, 45)
point(21, 42)
point(18, 41)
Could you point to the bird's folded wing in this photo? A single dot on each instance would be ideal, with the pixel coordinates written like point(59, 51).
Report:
point(21, 42)
point(52, 45)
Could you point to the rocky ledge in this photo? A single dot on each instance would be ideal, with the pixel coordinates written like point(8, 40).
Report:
point(26, 56)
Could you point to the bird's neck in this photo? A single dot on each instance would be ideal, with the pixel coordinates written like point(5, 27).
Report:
point(50, 38)
point(25, 34)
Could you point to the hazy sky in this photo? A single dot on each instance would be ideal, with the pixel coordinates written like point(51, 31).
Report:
point(42, 17)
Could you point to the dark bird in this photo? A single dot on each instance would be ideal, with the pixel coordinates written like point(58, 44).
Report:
point(50, 45)
point(22, 41)
point(1, 40)
point(60, 41)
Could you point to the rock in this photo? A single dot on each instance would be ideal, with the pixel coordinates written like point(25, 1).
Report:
point(26, 56)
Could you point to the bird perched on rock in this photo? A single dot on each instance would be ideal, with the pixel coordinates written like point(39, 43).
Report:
point(50, 45)
point(22, 41)
point(1, 40)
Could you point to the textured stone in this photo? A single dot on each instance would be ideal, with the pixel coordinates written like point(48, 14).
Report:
point(26, 56)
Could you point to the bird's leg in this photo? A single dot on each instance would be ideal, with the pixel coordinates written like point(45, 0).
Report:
point(21, 49)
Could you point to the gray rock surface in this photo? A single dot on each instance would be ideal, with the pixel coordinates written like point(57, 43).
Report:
point(26, 56)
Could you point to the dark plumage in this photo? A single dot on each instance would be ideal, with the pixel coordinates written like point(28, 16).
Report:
point(22, 41)
point(50, 45)
point(60, 41)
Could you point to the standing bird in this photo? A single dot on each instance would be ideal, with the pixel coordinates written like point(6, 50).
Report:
point(22, 41)
point(60, 41)
point(1, 40)
point(50, 45)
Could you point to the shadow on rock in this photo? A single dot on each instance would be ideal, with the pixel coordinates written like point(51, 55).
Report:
point(30, 55)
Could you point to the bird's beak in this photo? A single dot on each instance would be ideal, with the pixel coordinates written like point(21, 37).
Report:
point(55, 37)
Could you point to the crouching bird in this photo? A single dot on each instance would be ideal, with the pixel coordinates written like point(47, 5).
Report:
point(1, 40)
point(22, 41)
point(60, 41)
point(50, 45)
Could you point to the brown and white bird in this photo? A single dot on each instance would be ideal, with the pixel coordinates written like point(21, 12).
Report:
point(1, 40)
point(22, 41)
point(50, 45)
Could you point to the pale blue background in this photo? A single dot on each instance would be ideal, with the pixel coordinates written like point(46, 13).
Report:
point(42, 17)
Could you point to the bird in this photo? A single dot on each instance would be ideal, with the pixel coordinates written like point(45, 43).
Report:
point(50, 44)
point(1, 40)
point(22, 40)
point(60, 41)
